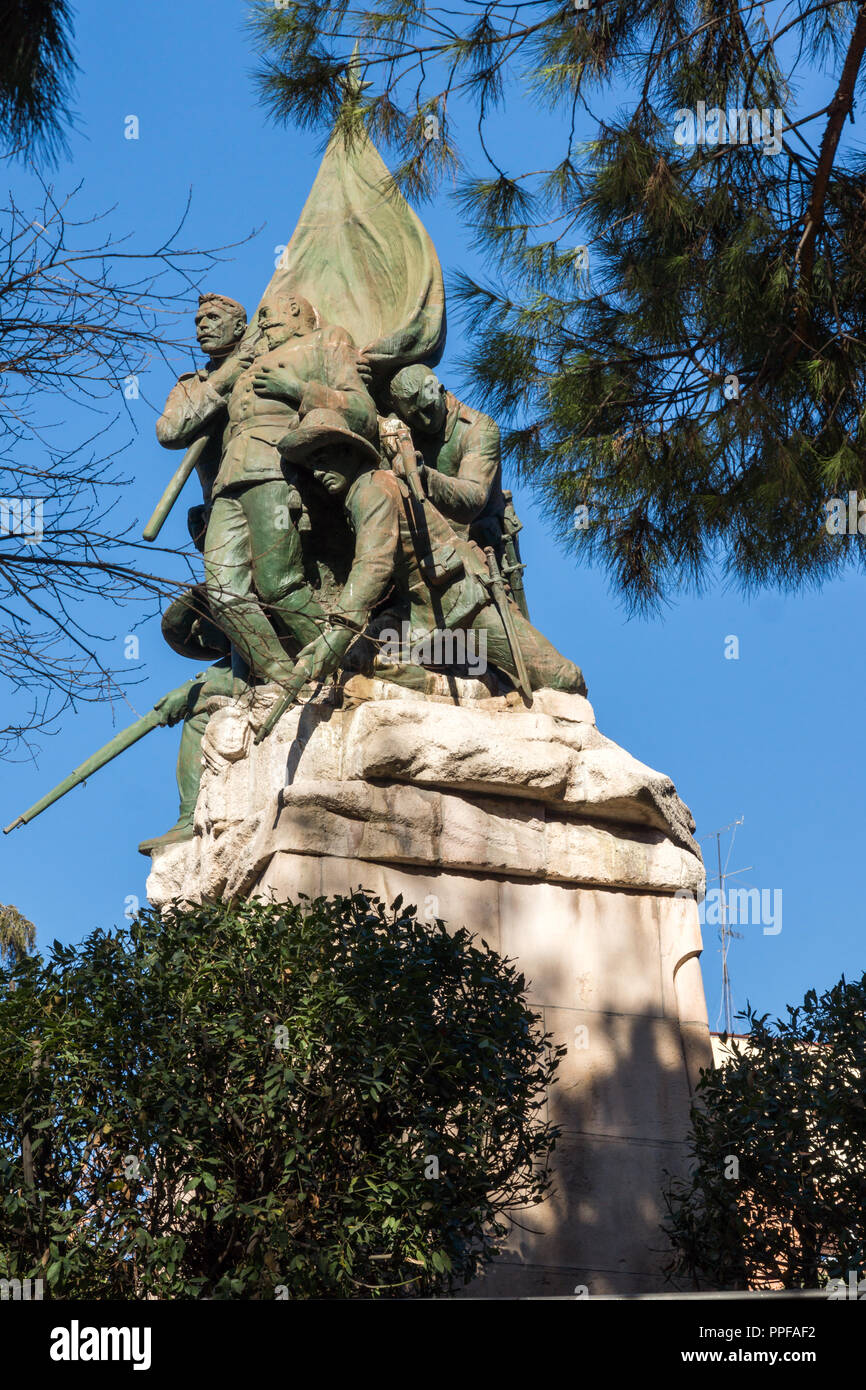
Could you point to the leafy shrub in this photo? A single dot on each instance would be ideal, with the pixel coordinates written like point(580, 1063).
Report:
point(326, 1099)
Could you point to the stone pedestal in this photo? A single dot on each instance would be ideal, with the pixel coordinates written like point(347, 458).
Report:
point(544, 837)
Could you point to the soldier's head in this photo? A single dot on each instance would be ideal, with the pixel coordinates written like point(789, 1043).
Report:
point(418, 397)
point(335, 470)
point(285, 316)
point(219, 324)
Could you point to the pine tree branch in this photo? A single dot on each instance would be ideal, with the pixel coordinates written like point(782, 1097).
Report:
point(840, 107)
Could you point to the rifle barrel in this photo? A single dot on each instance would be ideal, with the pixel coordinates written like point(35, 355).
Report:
point(119, 744)
point(175, 486)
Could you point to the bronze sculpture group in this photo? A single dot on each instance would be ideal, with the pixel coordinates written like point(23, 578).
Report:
point(292, 424)
point(342, 484)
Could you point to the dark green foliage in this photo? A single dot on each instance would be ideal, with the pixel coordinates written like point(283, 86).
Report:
point(246, 1102)
point(705, 262)
point(791, 1109)
point(36, 66)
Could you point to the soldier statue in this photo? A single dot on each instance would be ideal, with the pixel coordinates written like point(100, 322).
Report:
point(254, 565)
point(188, 624)
point(404, 543)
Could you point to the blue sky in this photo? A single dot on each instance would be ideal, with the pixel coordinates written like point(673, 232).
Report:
point(771, 736)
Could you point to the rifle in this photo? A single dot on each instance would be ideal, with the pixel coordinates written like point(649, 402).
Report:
point(119, 744)
point(342, 629)
point(500, 598)
point(437, 563)
point(398, 432)
point(175, 486)
point(243, 357)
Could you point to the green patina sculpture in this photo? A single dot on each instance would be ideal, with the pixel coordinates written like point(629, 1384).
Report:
point(189, 628)
point(188, 624)
point(220, 326)
point(444, 578)
point(341, 482)
point(154, 719)
point(513, 566)
point(257, 587)
point(461, 471)
point(306, 378)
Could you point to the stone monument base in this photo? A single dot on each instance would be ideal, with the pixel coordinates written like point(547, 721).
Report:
point(539, 834)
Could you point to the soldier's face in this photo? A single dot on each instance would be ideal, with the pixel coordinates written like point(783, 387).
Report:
point(273, 324)
point(333, 476)
point(427, 411)
point(216, 329)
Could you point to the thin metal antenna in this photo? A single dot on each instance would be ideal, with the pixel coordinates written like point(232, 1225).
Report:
point(726, 933)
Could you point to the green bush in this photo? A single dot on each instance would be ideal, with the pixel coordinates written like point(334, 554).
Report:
point(328, 1099)
point(777, 1192)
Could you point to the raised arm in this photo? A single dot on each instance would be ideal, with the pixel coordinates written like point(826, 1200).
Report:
point(199, 398)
